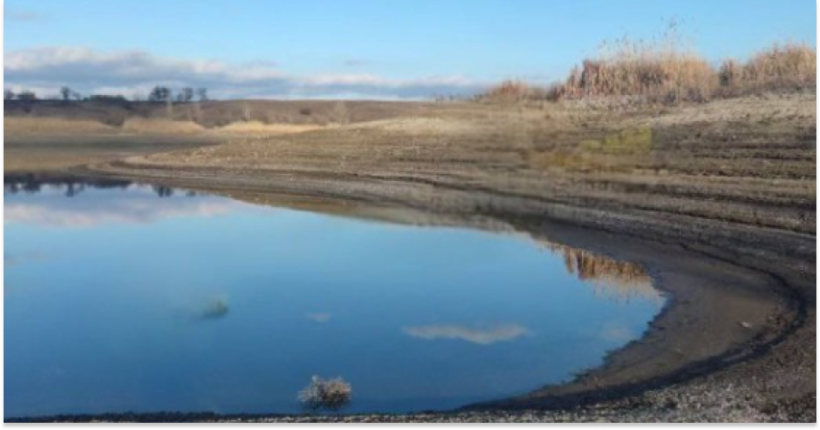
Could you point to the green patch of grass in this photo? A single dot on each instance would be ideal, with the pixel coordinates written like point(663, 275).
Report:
point(616, 151)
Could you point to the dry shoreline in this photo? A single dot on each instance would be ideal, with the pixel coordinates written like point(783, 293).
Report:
point(740, 331)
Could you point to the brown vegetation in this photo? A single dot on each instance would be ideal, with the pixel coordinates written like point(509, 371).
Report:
point(331, 394)
point(667, 74)
point(512, 91)
point(54, 126)
point(214, 114)
point(789, 66)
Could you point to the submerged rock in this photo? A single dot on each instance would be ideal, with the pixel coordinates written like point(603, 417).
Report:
point(217, 309)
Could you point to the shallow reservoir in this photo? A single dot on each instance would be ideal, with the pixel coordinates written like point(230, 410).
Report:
point(124, 297)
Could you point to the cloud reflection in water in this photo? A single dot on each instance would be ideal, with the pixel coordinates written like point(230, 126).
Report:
point(480, 336)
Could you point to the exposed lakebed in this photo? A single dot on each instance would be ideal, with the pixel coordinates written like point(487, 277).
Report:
point(124, 297)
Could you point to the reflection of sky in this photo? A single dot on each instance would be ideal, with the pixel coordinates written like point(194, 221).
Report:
point(319, 317)
point(13, 260)
point(136, 205)
point(412, 317)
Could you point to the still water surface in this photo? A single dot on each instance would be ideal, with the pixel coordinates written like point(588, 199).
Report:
point(137, 298)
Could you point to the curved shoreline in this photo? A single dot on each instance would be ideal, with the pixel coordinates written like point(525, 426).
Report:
point(705, 202)
point(591, 388)
point(560, 397)
point(557, 398)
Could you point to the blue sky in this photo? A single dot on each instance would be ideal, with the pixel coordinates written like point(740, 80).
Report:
point(395, 48)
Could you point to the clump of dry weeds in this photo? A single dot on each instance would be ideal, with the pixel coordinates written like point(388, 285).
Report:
point(659, 73)
point(331, 394)
point(666, 71)
point(787, 66)
point(513, 91)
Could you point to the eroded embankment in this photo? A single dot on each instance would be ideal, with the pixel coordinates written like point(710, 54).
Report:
point(728, 305)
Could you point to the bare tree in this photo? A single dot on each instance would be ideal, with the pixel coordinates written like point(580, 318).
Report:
point(109, 99)
point(65, 93)
point(202, 94)
point(186, 95)
point(160, 94)
point(163, 94)
point(27, 96)
point(163, 191)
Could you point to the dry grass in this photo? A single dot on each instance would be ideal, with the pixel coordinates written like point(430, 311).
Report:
point(660, 74)
point(789, 66)
point(331, 394)
point(256, 127)
point(162, 126)
point(665, 72)
point(33, 126)
point(513, 91)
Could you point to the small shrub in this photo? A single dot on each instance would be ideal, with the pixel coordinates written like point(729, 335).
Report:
point(555, 92)
point(515, 92)
point(331, 394)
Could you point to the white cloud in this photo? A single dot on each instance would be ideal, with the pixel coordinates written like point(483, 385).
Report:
point(481, 336)
point(130, 72)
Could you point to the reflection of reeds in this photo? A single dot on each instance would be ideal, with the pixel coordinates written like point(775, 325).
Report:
point(610, 278)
